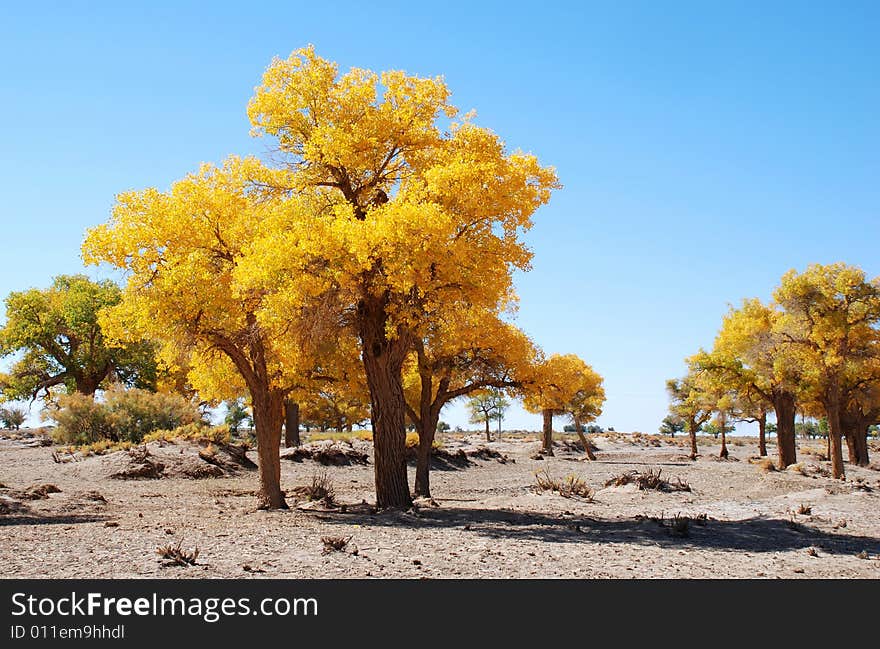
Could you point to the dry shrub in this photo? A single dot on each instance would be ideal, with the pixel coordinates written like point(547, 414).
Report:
point(334, 543)
point(798, 468)
point(804, 510)
point(196, 432)
point(649, 480)
point(680, 526)
point(320, 489)
point(173, 555)
point(765, 465)
point(569, 487)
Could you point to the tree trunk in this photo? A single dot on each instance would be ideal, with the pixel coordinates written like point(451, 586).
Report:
point(692, 433)
point(268, 418)
point(585, 442)
point(383, 362)
point(723, 454)
point(291, 424)
point(855, 430)
point(832, 409)
point(488, 432)
point(427, 433)
point(783, 404)
point(762, 435)
point(547, 438)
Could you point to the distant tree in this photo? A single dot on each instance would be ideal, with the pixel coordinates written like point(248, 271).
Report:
point(12, 416)
point(689, 403)
point(442, 427)
point(61, 343)
point(671, 425)
point(487, 405)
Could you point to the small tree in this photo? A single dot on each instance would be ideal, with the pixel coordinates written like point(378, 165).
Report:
point(486, 406)
point(671, 425)
point(13, 416)
point(236, 415)
point(442, 427)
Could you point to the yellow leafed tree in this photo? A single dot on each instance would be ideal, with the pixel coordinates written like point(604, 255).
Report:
point(564, 384)
point(414, 214)
point(181, 250)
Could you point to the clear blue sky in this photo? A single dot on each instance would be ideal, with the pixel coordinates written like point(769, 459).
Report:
point(705, 148)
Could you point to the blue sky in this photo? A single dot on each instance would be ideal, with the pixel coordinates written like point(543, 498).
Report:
point(705, 148)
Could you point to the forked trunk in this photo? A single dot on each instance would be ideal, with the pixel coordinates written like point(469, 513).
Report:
point(762, 435)
point(783, 404)
point(585, 442)
point(383, 362)
point(268, 418)
point(291, 424)
point(547, 438)
point(855, 430)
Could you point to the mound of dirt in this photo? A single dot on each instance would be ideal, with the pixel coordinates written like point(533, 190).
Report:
point(329, 453)
point(446, 458)
point(37, 492)
point(181, 459)
point(9, 505)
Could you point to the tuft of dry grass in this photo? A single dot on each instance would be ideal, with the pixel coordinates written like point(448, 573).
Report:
point(648, 481)
point(804, 510)
point(765, 465)
point(320, 489)
point(570, 486)
point(174, 555)
point(334, 543)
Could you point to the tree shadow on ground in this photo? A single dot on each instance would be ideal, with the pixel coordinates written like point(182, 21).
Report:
point(37, 519)
point(756, 534)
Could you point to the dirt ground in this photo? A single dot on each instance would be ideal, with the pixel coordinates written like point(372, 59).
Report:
point(488, 522)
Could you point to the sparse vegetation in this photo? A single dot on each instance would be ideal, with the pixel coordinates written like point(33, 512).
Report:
point(175, 555)
point(320, 490)
point(649, 480)
point(334, 543)
point(570, 486)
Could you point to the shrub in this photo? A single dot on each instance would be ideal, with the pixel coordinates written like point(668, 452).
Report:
point(123, 416)
point(138, 412)
point(194, 432)
point(13, 416)
point(82, 421)
point(569, 487)
point(650, 480)
point(320, 490)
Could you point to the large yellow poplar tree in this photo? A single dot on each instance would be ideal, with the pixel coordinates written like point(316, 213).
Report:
point(181, 250)
point(417, 214)
point(831, 317)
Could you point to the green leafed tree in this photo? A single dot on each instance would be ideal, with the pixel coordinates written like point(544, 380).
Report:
point(59, 343)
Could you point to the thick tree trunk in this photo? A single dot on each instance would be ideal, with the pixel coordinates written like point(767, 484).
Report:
point(427, 432)
point(762, 435)
point(268, 418)
point(547, 438)
point(783, 404)
point(723, 454)
point(692, 433)
point(855, 430)
point(835, 435)
point(291, 424)
point(383, 362)
point(585, 442)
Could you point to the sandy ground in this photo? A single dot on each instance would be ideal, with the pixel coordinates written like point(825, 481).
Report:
point(489, 521)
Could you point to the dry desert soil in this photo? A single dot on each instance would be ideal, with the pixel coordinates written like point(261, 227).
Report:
point(488, 520)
